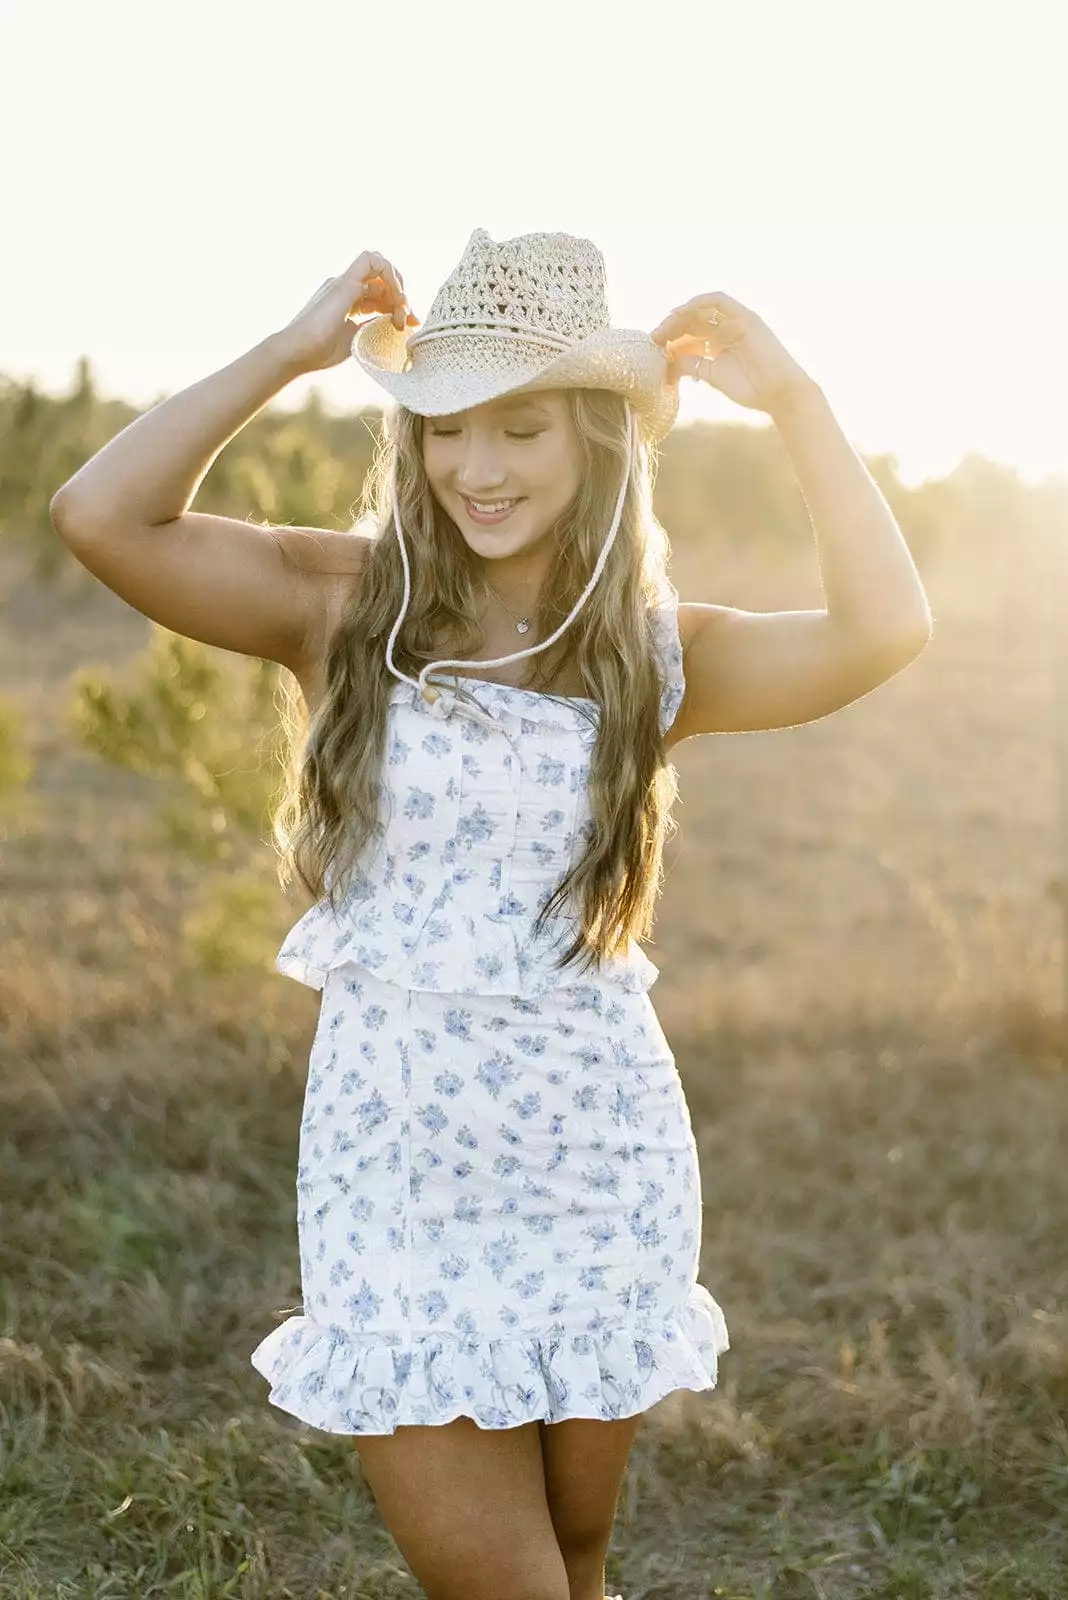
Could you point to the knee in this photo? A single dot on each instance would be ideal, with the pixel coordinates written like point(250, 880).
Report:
point(514, 1584)
point(487, 1569)
point(583, 1543)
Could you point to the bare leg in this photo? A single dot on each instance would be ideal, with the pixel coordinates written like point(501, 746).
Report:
point(467, 1508)
point(585, 1461)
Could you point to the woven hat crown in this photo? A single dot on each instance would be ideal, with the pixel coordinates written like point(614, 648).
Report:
point(550, 287)
point(516, 317)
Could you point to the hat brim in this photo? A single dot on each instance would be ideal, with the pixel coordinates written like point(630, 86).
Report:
point(625, 360)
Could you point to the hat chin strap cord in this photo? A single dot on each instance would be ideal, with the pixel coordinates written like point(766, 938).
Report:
point(442, 701)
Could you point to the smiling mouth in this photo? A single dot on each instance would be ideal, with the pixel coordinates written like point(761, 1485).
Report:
point(490, 510)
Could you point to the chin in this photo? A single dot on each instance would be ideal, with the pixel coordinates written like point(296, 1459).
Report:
point(516, 547)
point(494, 546)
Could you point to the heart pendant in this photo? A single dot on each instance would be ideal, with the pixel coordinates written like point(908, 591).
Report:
point(522, 627)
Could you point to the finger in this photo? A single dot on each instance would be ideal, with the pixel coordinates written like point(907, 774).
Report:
point(683, 367)
point(376, 270)
point(377, 304)
point(709, 299)
point(367, 305)
point(687, 332)
point(375, 297)
point(695, 315)
point(673, 326)
point(687, 344)
point(388, 272)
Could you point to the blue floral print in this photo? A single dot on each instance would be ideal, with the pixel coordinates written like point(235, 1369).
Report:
point(498, 1191)
point(500, 823)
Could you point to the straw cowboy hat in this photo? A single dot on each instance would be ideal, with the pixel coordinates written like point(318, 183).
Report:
point(529, 313)
point(526, 314)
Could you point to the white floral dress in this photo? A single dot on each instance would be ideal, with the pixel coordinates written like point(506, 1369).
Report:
point(498, 1191)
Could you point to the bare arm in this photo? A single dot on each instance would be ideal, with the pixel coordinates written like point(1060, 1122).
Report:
point(125, 514)
point(749, 670)
point(149, 473)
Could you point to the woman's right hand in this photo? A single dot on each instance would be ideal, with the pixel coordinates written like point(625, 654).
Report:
point(321, 333)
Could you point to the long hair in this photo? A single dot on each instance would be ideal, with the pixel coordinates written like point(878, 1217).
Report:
point(329, 809)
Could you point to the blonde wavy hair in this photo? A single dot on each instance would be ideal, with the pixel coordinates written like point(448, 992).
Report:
point(329, 807)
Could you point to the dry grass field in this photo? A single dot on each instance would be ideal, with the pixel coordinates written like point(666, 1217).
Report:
point(863, 978)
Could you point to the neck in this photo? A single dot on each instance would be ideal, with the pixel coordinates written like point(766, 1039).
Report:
point(517, 580)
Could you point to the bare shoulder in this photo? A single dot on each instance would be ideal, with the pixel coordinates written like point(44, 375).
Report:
point(700, 626)
point(328, 553)
point(692, 618)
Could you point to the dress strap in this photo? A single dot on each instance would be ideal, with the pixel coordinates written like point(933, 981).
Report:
point(668, 645)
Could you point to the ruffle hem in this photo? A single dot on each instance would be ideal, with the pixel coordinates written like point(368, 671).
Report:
point(354, 1383)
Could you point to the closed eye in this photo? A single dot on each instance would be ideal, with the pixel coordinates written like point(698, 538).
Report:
point(450, 433)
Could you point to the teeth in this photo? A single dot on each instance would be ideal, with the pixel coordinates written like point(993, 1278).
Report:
point(497, 505)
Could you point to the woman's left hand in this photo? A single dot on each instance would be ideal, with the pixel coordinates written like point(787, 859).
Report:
point(745, 360)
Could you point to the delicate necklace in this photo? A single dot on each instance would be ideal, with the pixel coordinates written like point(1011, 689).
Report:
point(522, 624)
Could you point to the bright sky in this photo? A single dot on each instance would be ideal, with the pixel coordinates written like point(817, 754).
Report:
point(882, 182)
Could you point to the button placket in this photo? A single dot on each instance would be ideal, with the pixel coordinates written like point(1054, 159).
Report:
point(513, 765)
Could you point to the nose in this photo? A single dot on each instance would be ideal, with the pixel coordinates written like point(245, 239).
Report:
point(485, 489)
point(481, 474)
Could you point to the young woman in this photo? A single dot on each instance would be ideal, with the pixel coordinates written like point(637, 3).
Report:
point(499, 1203)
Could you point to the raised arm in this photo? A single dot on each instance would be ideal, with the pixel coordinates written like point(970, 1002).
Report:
point(125, 514)
point(749, 670)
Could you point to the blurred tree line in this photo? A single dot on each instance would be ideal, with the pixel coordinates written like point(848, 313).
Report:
point(205, 723)
point(723, 485)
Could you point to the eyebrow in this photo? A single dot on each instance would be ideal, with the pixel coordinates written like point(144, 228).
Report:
point(522, 403)
point(517, 404)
